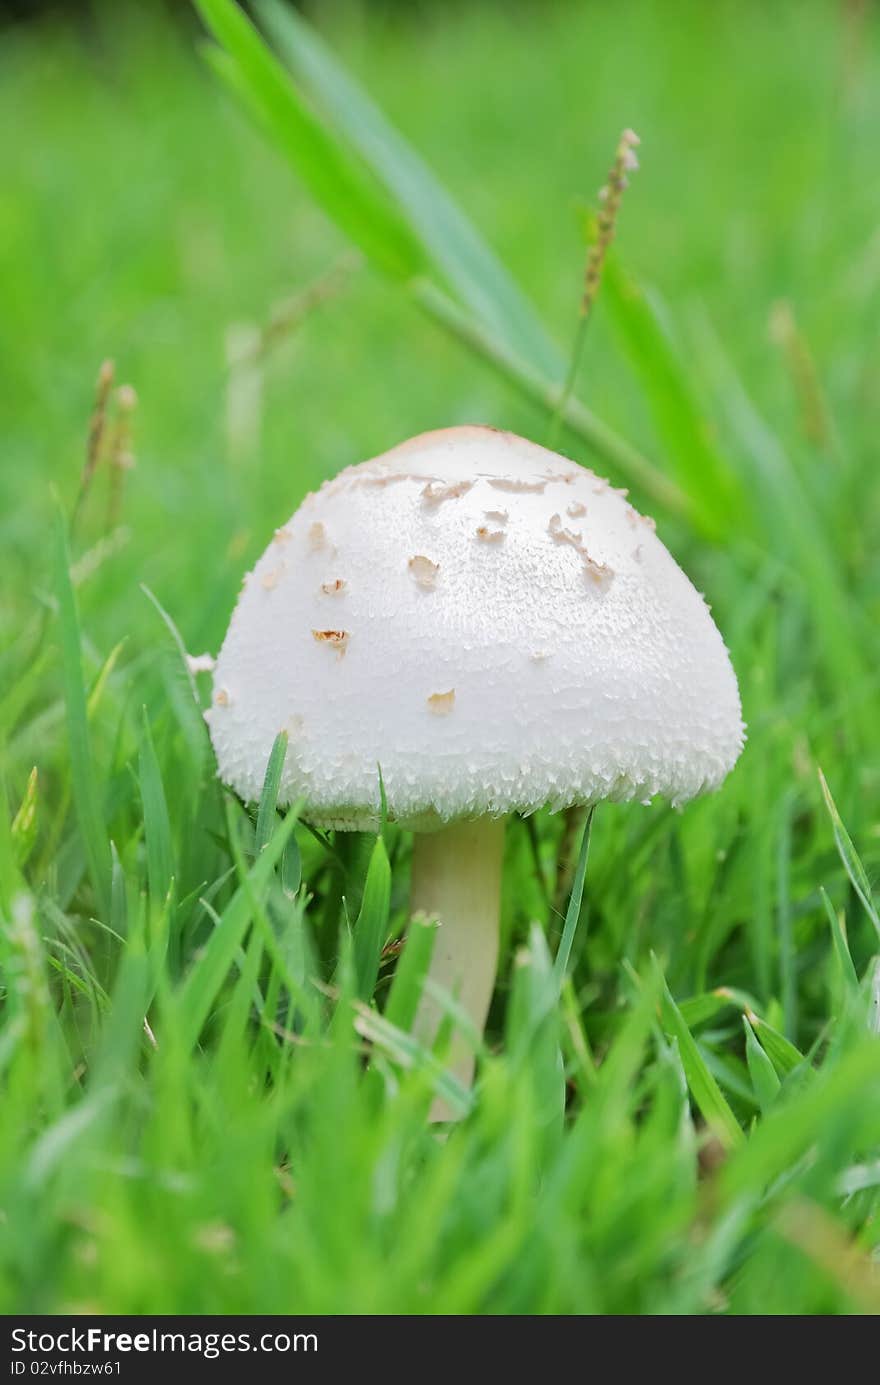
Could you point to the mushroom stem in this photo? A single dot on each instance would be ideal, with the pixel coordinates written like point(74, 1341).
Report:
point(456, 878)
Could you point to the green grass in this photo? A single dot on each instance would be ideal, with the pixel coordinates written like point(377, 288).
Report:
point(211, 1098)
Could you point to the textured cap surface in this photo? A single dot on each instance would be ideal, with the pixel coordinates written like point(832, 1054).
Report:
point(492, 624)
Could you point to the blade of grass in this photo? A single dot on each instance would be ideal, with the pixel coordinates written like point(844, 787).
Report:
point(460, 254)
point(291, 868)
point(86, 791)
point(852, 863)
point(371, 928)
point(410, 972)
point(118, 897)
point(781, 1050)
point(269, 796)
point(185, 701)
point(245, 998)
point(409, 1053)
point(573, 912)
point(794, 527)
point(348, 193)
point(24, 824)
point(157, 827)
point(699, 1008)
point(93, 701)
point(262, 912)
point(701, 469)
point(578, 419)
point(703, 1087)
point(841, 946)
point(205, 980)
point(787, 972)
point(340, 183)
point(793, 1127)
point(176, 637)
point(761, 1070)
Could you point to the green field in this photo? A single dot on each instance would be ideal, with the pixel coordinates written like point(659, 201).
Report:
point(197, 1113)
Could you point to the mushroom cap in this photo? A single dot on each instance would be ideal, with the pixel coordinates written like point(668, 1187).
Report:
point(492, 625)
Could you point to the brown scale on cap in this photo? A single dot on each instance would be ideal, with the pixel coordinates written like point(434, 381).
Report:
point(441, 704)
point(269, 580)
point(424, 572)
point(378, 478)
point(636, 519)
point(596, 572)
point(334, 588)
point(337, 639)
point(575, 510)
point(487, 535)
point(317, 537)
point(560, 535)
point(515, 487)
point(434, 493)
point(600, 573)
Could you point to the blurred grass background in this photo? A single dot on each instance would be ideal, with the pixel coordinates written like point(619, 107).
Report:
point(143, 219)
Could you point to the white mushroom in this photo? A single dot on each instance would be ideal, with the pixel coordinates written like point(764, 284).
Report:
point(632, 695)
